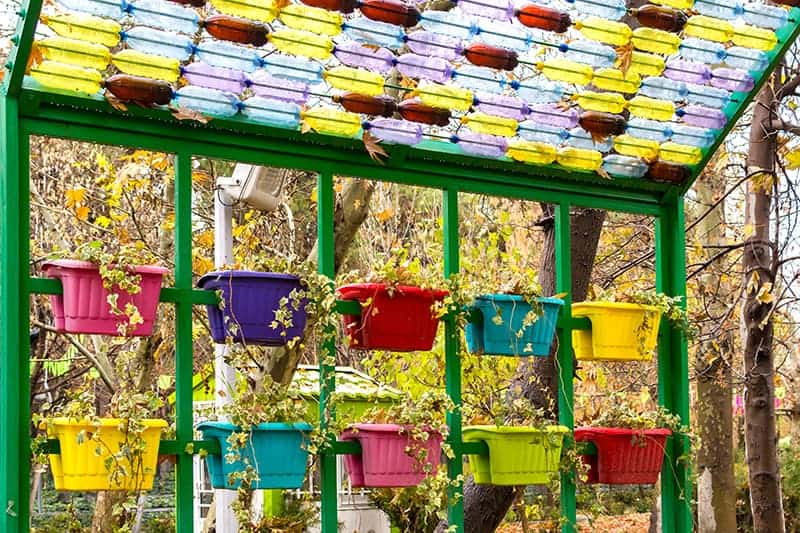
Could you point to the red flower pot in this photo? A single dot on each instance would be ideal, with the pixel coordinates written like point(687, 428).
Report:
point(624, 456)
point(83, 307)
point(390, 456)
point(392, 318)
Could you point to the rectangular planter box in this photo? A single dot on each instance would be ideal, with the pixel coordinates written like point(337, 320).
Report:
point(624, 456)
point(620, 331)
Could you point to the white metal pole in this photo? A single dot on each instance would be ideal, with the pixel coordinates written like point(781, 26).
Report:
point(224, 375)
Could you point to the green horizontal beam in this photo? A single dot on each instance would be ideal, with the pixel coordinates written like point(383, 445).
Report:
point(348, 307)
point(166, 447)
point(168, 294)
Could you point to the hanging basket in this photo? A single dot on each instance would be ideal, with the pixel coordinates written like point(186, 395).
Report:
point(83, 307)
point(501, 328)
point(398, 318)
point(620, 331)
point(79, 466)
point(624, 456)
point(277, 452)
point(390, 456)
point(517, 455)
point(248, 306)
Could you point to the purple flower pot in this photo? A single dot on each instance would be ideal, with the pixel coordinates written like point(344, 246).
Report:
point(249, 302)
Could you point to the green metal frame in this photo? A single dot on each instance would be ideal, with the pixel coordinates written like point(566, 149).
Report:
point(26, 112)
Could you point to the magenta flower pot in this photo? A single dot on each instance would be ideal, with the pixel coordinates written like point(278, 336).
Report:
point(83, 307)
point(390, 456)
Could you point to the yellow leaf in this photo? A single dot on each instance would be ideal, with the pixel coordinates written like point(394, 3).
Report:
point(102, 221)
point(313, 195)
point(793, 159)
point(201, 176)
point(75, 197)
point(385, 215)
point(82, 213)
point(765, 295)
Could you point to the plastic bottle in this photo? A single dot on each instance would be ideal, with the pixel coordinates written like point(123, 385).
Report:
point(444, 96)
point(723, 9)
point(664, 89)
point(84, 27)
point(661, 18)
point(765, 16)
point(394, 131)
point(343, 6)
point(746, 59)
point(136, 63)
point(687, 71)
point(543, 18)
point(732, 79)
point(611, 79)
point(260, 10)
point(223, 79)
point(580, 138)
point(503, 35)
point(708, 96)
point(607, 9)
point(272, 112)
point(646, 64)
point(267, 86)
point(355, 79)
point(432, 44)
point(101, 8)
point(501, 105)
point(680, 153)
point(536, 153)
point(372, 32)
point(579, 159)
point(490, 56)
point(74, 52)
point(633, 146)
point(668, 172)
point(480, 144)
point(143, 91)
point(332, 121)
point(491, 125)
point(206, 101)
point(301, 43)
point(165, 16)
point(605, 31)
point(702, 117)
point(227, 55)
point(538, 91)
point(655, 41)
point(415, 111)
point(566, 71)
point(313, 19)
point(478, 79)
point(710, 28)
point(753, 37)
point(495, 9)
point(622, 166)
point(645, 107)
point(293, 68)
point(449, 23)
point(391, 12)
point(691, 136)
point(65, 77)
point(534, 131)
point(602, 124)
point(371, 58)
point(649, 129)
point(158, 42)
point(602, 102)
point(553, 115)
point(591, 53)
point(366, 105)
point(423, 67)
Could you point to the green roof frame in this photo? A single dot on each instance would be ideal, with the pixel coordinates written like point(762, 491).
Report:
point(26, 111)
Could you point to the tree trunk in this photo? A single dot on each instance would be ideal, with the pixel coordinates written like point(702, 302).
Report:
point(716, 486)
point(759, 265)
point(485, 506)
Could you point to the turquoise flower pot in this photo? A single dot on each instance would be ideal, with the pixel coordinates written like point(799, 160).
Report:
point(500, 329)
point(278, 453)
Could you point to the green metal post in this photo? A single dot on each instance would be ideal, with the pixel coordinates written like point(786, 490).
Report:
point(327, 372)
point(455, 510)
point(673, 368)
point(14, 313)
point(565, 363)
point(183, 340)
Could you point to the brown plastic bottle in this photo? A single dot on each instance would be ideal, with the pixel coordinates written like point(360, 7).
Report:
point(668, 172)
point(193, 3)
point(367, 105)
point(544, 18)
point(602, 124)
point(144, 91)
point(227, 28)
point(391, 12)
point(491, 56)
point(662, 18)
point(343, 6)
point(416, 111)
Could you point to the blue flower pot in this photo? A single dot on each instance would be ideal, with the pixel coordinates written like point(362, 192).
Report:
point(500, 330)
point(278, 452)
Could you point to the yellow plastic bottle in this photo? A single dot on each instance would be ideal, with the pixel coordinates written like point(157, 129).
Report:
point(709, 28)
point(646, 107)
point(483, 123)
point(636, 147)
point(646, 64)
point(84, 28)
point(74, 52)
point(680, 153)
point(605, 102)
point(677, 4)
point(444, 96)
point(301, 43)
point(261, 10)
point(566, 71)
point(531, 152)
point(753, 37)
point(579, 158)
point(655, 41)
point(355, 79)
point(612, 79)
point(313, 19)
point(65, 77)
point(605, 31)
point(150, 66)
point(332, 121)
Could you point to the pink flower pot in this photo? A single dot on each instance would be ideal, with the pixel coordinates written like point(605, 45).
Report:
point(83, 307)
point(390, 456)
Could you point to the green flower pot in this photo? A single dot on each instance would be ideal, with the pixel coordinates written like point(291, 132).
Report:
point(517, 455)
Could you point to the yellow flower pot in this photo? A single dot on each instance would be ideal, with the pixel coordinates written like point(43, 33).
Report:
point(620, 331)
point(87, 454)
